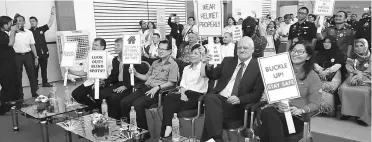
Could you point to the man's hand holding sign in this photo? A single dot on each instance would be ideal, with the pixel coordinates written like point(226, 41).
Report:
point(97, 69)
point(131, 52)
point(68, 58)
point(280, 85)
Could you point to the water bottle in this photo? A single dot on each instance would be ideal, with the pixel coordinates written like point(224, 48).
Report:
point(132, 119)
point(67, 96)
point(175, 128)
point(104, 108)
point(54, 102)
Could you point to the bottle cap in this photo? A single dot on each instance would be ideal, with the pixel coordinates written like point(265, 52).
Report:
point(132, 107)
point(175, 114)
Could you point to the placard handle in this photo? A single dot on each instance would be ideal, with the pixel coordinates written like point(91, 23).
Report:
point(289, 119)
point(131, 76)
point(321, 23)
point(65, 78)
point(96, 89)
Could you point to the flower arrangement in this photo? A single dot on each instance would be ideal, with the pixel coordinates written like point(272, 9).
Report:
point(100, 124)
point(42, 103)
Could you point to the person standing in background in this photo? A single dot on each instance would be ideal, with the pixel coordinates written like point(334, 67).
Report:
point(176, 29)
point(353, 22)
point(363, 29)
point(26, 55)
point(190, 27)
point(41, 47)
point(9, 85)
point(282, 34)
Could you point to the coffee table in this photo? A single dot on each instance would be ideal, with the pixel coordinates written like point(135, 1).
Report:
point(83, 127)
point(28, 108)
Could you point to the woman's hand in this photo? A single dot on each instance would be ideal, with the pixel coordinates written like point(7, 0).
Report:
point(295, 111)
point(184, 97)
point(282, 106)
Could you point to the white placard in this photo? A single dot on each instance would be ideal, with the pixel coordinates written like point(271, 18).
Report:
point(324, 7)
point(97, 64)
point(210, 17)
point(131, 49)
point(69, 54)
point(215, 51)
point(237, 32)
point(278, 77)
point(270, 47)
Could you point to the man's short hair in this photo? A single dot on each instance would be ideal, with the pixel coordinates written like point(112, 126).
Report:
point(198, 46)
point(345, 14)
point(355, 14)
point(140, 22)
point(15, 20)
point(169, 47)
point(193, 18)
point(32, 17)
point(102, 42)
point(291, 14)
point(307, 10)
point(119, 40)
point(4, 20)
point(312, 15)
point(156, 34)
point(287, 16)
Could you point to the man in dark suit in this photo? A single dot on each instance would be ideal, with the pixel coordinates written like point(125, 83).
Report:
point(176, 29)
point(239, 83)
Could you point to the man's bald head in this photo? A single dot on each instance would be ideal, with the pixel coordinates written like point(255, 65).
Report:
point(245, 48)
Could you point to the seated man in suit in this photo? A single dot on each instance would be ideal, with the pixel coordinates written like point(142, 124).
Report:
point(84, 94)
point(239, 83)
point(162, 74)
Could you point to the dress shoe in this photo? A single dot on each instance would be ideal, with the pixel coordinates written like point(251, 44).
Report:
point(360, 122)
point(47, 85)
point(345, 117)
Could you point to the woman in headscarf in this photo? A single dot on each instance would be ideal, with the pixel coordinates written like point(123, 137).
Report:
point(328, 62)
point(355, 92)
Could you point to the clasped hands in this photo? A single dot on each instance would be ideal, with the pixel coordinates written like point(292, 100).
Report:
point(285, 107)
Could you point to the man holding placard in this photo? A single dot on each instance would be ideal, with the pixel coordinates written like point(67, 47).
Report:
point(85, 92)
point(162, 74)
point(239, 83)
point(281, 81)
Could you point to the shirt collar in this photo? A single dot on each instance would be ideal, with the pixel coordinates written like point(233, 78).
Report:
point(166, 62)
point(246, 62)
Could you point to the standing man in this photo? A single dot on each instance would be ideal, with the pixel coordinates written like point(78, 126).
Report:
point(302, 28)
point(41, 47)
point(190, 27)
point(363, 29)
point(26, 55)
point(341, 32)
point(176, 29)
point(9, 85)
point(282, 34)
point(353, 22)
point(239, 83)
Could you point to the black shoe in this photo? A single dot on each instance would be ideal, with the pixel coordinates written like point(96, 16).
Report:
point(345, 117)
point(360, 122)
point(47, 85)
point(146, 137)
point(35, 95)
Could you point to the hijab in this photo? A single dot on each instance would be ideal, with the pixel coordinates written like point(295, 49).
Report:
point(328, 57)
point(367, 54)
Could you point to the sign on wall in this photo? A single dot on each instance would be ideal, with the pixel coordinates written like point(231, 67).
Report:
point(209, 14)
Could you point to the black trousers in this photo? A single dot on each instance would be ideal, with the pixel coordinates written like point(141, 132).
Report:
point(274, 126)
point(218, 111)
point(43, 64)
point(173, 104)
point(10, 86)
point(27, 60)
point(140, 101)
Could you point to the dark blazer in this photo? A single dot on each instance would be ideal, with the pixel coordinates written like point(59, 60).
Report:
point(251, 86)
point(113, 79)
point(176, 31)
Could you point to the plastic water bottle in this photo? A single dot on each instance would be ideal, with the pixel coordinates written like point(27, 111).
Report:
point(175, 128)
point(132, 119)
point(54, 102)
point(104, 108)
point(67, 96)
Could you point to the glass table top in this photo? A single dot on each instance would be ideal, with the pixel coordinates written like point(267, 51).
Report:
point(83, 127)
point(29, 107)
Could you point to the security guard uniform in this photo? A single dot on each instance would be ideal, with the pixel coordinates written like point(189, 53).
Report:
point(364, 30)
point(305, 30)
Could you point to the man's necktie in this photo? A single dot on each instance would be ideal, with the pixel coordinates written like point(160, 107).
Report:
point(238, 78)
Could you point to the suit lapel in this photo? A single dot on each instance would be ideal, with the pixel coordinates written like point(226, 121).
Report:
point(231, 68)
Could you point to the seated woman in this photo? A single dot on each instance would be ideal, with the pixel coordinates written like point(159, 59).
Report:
point(355, 92)
point(274, 128)
point(328, 62)
point(194, 83)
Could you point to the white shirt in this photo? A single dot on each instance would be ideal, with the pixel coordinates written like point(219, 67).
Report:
point(229, 87)
point(23, 40)
point(187, 29)
point(192, 80)
point(284, 28)
point(229, 29)
point(143, 40)
point(227, 50)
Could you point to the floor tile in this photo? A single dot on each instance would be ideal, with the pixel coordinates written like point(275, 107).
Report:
point(359, 133)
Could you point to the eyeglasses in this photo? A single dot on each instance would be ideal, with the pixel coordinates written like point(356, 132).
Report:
point(161, 49)
point(302, 13)
point(299, 52)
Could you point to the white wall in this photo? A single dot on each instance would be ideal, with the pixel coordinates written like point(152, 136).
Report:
point(246, 7)
point(84, 17)
point(288, 10)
